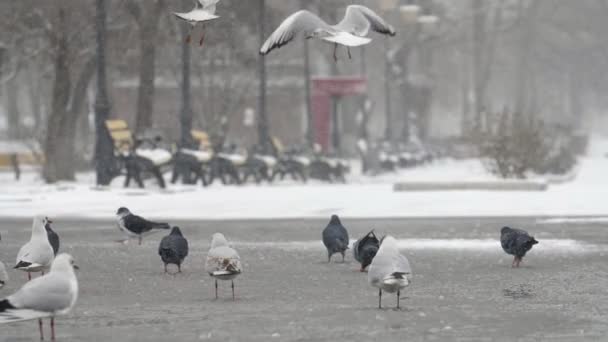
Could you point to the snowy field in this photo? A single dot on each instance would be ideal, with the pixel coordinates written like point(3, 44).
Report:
point(463, 287)
point(362, 197)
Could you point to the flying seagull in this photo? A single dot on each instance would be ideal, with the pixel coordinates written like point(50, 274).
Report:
point(36, 255)
point(47, 296)
point(335, 238)
point(365, 249)
point(516, 242)
point(136, 226)
point(53, 237)
point(223, 262)
point(390, 270)
point(352, 31)
point(173, 249)
point(204, 10)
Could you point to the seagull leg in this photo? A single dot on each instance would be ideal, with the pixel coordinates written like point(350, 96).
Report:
point(188, 38)
point(398, 295)
point(29, 276)
point(336, 53)
point(215, 288)
point(202, 39)
point(233, 298)
point(40, 328)
point(514, 262)
point(349, 55)
point(52, 328)
point(379, 298)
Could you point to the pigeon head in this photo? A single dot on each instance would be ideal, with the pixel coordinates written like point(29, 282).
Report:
point(334, 220)
point(504, 230)
point(122, 211)
point(368, 255)
point(176, 231)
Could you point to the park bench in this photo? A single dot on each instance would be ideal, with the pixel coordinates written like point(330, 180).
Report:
point(289, 162)
point(138, 158)
point(14, 154)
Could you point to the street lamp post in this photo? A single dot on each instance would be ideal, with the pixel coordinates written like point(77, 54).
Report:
point(263, 134)
point(103, 143)
point(186, 105)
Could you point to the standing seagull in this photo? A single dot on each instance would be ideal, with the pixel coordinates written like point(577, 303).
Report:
point(516, 242)
point(136, 226)
point(365, 249)
point(173, 249)
point(53, 237)
point(223, 262)
point(48, 296)
point(352, 31)
point(390, 270)
point(36, 255)
point(203, 11)
point(335, 238)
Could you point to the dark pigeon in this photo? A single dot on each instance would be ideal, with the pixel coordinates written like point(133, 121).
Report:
point(335, 238)
point(135, 225)
point(53, 237)
point(516, 242)
point(173, 249)
point(365, 249)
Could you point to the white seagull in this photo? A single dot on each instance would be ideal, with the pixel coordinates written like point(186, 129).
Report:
point(223, 262)
point(204, 10)
point(390, 270)
point(47, 296)
point(352, 31)
point(36, 255)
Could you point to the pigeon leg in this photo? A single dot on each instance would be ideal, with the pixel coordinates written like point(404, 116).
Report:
point(349, 55)
point(52, 328)
point(29, 276)
point(165, 268)
point(202, 39)
point(139, 240)
point(379, 298)
point(179, 268)
point(342, 257)
point(336, 53)
point(514, 262)
point(188, 38)
point(40, 328)
point(215, 288)
point(518, 262)
point(233, 298)
point(328, 257)
point(398, 295)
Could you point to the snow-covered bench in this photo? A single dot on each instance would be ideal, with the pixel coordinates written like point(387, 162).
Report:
point(138, 158)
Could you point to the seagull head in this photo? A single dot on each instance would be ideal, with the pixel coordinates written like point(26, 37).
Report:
point(64, 263)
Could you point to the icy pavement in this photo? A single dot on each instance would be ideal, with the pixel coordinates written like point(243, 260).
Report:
point(362, 197)
point(292, 294)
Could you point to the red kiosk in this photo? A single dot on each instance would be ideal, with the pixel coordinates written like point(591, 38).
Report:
point(324, 91)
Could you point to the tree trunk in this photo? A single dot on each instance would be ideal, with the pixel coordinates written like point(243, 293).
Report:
point(14, 116)
point(479, 43)
point(524, 67)
point(148, 34)
point(55, 166)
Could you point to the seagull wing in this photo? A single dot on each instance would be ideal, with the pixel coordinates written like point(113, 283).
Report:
point(223, 259)
point(358, 21)
point(301, 22)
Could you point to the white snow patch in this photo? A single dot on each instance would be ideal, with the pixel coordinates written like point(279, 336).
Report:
point(573, 220)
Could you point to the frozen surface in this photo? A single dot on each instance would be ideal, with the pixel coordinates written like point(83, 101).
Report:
point(362, 197)
point(292, 294)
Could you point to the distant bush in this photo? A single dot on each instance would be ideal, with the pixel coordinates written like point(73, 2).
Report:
point(520, 145)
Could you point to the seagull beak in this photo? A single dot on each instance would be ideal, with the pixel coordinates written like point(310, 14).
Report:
point(76, 267)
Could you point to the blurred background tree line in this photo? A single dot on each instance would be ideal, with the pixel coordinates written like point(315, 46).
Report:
point(535, 59)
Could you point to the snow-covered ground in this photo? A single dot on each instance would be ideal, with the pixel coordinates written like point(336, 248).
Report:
point(361, 197)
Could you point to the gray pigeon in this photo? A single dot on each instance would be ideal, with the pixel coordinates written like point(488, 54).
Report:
point(516, 242)
point(53, 237)
point(173, 249)
point(365, 249)
point(335, 238)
